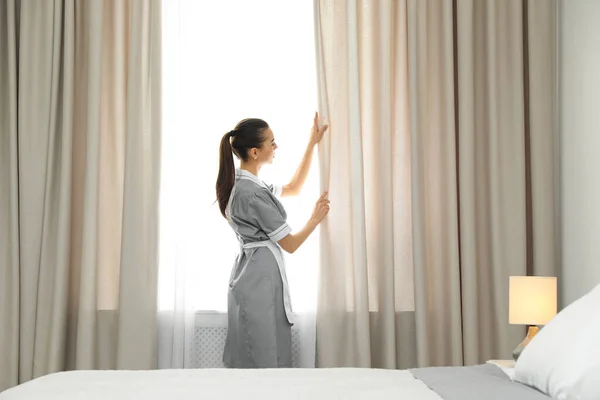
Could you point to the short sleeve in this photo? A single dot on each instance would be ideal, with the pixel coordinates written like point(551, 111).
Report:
point(269, 216)
point(275, 189)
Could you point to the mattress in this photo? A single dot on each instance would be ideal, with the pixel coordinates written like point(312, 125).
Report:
point(454, 383)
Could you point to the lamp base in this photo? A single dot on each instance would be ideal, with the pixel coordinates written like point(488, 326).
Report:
point(531, 332)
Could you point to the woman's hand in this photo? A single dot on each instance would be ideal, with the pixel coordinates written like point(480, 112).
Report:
point(316, 133)
point(292, 242)
point(321, 209)
point(295, 185)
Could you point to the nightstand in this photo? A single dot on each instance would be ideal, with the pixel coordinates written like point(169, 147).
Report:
point(502, 363)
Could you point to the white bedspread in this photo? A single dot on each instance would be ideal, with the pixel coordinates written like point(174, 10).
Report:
point(312, 384)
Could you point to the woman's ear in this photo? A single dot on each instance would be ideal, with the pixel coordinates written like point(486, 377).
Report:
point(254, 153)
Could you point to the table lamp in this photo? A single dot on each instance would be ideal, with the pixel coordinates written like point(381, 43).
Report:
point(532, 302)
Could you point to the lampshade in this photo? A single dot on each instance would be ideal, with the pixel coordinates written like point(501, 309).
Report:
point(532, 300)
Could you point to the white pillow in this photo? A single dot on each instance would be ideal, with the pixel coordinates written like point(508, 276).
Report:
point(589, 387)
point(562, 358)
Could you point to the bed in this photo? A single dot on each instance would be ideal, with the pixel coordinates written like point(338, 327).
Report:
point(485, 381)
point(559, 363)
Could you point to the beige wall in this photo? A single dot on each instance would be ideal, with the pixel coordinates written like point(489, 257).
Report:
point(579, 113)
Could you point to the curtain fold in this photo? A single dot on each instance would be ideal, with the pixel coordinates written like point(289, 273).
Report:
point(442, 148)
point(80, 152)
point(365, 308)
point(492, 170)
point(433, 155)
point(139, 255)
point(9, 197)
point(543, 136)
point(177, 321)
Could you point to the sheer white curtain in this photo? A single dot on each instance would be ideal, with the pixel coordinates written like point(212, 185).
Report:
point(222, 62)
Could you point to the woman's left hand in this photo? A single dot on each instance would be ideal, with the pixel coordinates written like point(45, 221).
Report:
point(316, 133)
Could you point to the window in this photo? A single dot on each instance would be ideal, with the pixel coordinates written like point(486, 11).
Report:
point(224, 61)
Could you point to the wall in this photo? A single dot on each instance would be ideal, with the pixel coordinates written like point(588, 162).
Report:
point(579, 114)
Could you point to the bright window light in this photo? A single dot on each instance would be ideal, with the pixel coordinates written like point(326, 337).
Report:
point(224, 61)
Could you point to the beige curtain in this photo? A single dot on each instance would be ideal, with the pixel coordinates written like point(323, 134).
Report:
point(79, 159)
point(442, 147)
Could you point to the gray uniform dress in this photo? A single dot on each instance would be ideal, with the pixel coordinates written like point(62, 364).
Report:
point(259, 307)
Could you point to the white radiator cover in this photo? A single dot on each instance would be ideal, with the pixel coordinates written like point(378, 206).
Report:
point(210, 332)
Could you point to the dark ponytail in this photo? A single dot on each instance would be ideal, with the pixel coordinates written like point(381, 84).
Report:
point(226, 177)
point(248, 134)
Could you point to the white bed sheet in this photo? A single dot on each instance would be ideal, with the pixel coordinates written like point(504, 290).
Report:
point(228, 384)
point(312, 384)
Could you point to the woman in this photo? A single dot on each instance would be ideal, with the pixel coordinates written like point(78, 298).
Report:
point(259, 309)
